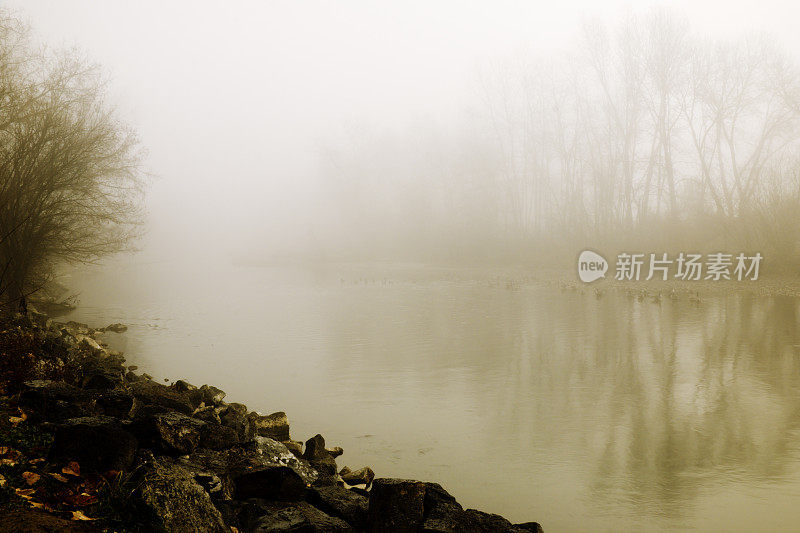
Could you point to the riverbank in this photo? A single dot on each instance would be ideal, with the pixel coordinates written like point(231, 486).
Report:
point(90, 444)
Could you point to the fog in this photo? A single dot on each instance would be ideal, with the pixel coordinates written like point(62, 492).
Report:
point(243, 107)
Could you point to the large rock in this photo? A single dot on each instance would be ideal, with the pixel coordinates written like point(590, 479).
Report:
point(177, 500)
point(217, 437)
point(171, 432)
point(319, 457)
point(442, 512)
point(152, 393)
point(270, 483)
point(116, 403)
point(234, 416)
point(480, 522)
point(55, 401)
point(274, 426)
point(101, 371)
point(404, 505)
point(396, 505)
point(342, 503)
point(98, 443)
point(231, 463)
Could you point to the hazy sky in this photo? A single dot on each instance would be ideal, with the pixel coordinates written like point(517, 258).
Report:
point(233, 99)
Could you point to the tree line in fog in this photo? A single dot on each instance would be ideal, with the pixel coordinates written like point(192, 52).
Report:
point(644, 136)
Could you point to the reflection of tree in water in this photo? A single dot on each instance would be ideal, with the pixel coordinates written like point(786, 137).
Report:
point(633, 403)
point(669, 400)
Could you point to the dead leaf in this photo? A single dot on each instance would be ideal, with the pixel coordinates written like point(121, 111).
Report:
point(78, 515)
point(25, 493)
point(84, 499)
point(37, 505)
point(72, 468)
point(4, 450)
point(2, 481)
point(58, 477)
point(36, 461)
point(14, 420)
point(7, 462)
point(30, 477)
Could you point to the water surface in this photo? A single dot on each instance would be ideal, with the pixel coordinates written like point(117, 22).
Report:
point(583, 413)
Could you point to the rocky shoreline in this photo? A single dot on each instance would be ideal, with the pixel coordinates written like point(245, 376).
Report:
point(89, 444)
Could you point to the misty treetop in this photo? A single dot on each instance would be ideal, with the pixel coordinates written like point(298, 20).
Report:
point(644, 135)
point(70, 175)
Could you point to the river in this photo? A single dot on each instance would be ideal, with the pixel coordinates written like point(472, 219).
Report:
point(582, 413)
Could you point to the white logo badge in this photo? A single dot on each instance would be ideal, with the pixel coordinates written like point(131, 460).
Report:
point(591, 266)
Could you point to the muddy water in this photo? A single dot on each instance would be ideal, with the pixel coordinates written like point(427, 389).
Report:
point(584, 413)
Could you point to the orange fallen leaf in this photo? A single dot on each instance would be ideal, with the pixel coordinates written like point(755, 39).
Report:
point(36, 461)
point(2, 481)
point(14, 420)
point(30, 477)
point(37, 505)
point(7, 462)
point(25, 493)
point(58, 477)
point(78, 515)
point(4, 450)
point(72, 468)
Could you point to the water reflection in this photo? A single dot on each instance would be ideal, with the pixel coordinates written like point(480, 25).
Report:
point(587, 414)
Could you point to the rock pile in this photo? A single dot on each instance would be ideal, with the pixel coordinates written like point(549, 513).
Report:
point(199, 463)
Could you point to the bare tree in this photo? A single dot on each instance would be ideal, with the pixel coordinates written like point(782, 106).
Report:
point(70, 175)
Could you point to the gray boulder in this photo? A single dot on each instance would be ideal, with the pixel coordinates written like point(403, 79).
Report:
point(177, 500)
point(274, 426)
